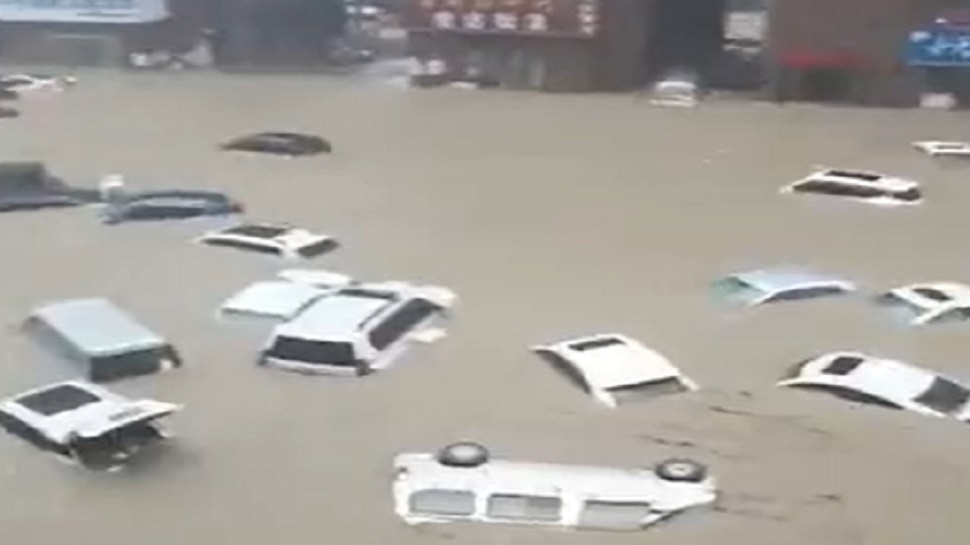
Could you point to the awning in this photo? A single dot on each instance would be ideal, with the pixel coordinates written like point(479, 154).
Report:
point(811, 59)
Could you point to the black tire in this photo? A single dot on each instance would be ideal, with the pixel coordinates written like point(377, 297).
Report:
point(681, 470)
point(463, 454)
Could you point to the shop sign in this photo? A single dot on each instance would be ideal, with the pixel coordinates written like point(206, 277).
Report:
point(575, 18)
point(939, 46)
point(83, 11)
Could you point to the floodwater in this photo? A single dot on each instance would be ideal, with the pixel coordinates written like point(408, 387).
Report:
point(551, 216)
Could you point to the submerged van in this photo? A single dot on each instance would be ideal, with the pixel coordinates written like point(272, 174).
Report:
point(462, 483)
point(104, 339)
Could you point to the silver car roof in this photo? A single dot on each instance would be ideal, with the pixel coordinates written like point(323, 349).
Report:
point(97, 326)
point(340, 313)
point(776, 279)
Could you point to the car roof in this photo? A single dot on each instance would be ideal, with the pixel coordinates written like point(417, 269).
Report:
point(890, 379)
point(279, 299)
point(507, 476)
point(339, 313)
point(97, 326)
point(617, 364)
point(776, 279)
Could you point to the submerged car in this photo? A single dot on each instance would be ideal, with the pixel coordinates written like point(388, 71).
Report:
point(357, 330)
point(871, 187)
point(170, 204)
point(779, 284)
point(615, 369)
point(283, 241)
point(462, 483)
point(84, 423)
point(28, 83)
point(290, 144)
point(935, 148)
point(928, 303)
point(29, 186)
point(892, 384)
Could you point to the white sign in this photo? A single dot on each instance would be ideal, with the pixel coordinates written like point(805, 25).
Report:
point(83, 11)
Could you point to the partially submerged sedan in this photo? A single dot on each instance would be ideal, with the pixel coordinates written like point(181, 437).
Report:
point(288, 144)
point(285, 241)
point(928, 303)
point(863, 185)
point(935, 148)
point(84, 423)
point(615, 369)
point(892, 384)
point(462, 483)
point(169, 204)
point(778, 284)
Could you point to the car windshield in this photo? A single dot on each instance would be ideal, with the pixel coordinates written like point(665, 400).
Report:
point(57, 400)
point(944, 396)
point(735, 290)
point(312, 351)
point(646, 391)
point(317, 248)
point(864, 176)
point(899, 308)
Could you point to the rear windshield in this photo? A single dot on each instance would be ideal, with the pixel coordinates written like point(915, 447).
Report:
point(310, 351)
point(317, 248)
point(596, 343)
point(647, 390)
point(944, 396)
point(135, 362)
point(58, 399)
point(866, 176)
point(899, 308)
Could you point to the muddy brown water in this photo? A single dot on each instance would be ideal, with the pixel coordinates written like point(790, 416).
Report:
point(551, 216)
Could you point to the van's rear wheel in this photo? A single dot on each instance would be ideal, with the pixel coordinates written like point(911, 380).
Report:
point(681, 470)
point(463, 454)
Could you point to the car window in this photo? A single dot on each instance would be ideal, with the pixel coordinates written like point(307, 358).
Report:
point(442, 502)
point(944, 396)
point(312, 351)
point(846, 190)
point(58, 399)
point(243, 245)
point(805, 293)
point(933, 294)
point(900, 308)
point(843, 365)
point(596, 343)
point(317, 248)
point(865, 176)
point(522, 507)
point(401, 322)
point(135, 362)
point(734, 289)
point(849, 394)
point(952, 315)
point(613, 515)
point(567, 370)
point(647, 390)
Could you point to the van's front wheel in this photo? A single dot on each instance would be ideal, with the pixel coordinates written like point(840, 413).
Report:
point(681, 470)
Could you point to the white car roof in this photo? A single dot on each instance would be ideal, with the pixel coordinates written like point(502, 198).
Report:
point(110, 411)
point(943, 147)
point(276, 299)
point(893, 380)
point(783, 278)
point(267, 233)
point(621, 364)
point(922, 294)
point(337, 314)
point(506, 476)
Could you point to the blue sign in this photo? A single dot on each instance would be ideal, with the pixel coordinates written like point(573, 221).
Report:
point(939, 46)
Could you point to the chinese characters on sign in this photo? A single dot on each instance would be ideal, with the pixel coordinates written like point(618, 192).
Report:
point(939, 47)
point(528, 17)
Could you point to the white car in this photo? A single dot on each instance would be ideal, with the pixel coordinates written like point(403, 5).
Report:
point(615, 369)
point(935, 148)
point(867, 186)
point(284, 241)
point(928, 303)
point(29, 83)
point(778, 284)
point(85, 423)
point(462, 483)
point(356, 330)
point(858, 377)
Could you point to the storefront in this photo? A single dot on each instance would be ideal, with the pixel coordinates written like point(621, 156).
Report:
point(940, 53)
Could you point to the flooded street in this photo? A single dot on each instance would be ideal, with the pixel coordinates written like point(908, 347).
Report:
point(550, 216)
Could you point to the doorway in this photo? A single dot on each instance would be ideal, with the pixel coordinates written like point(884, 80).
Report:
point(684, 34)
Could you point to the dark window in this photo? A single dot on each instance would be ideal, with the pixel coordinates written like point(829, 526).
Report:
point(935, 295)
point(596, 343)
point(58, 399)
point(524, 508)
point(257, 231)
point(953, 315)
point(318, 352)
point(910, 195)
point(564, 368)
point(843, 365)
point(866, 176)
point(841, 189)
point(944, 396)
point(367, 294)
point(243, 245)
point(401, 322)
point(613, 515)
point(805, 293)
point(647, 390)
point(849, 394)
point(455, 503)
point(126, 364)
point(317, 248)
